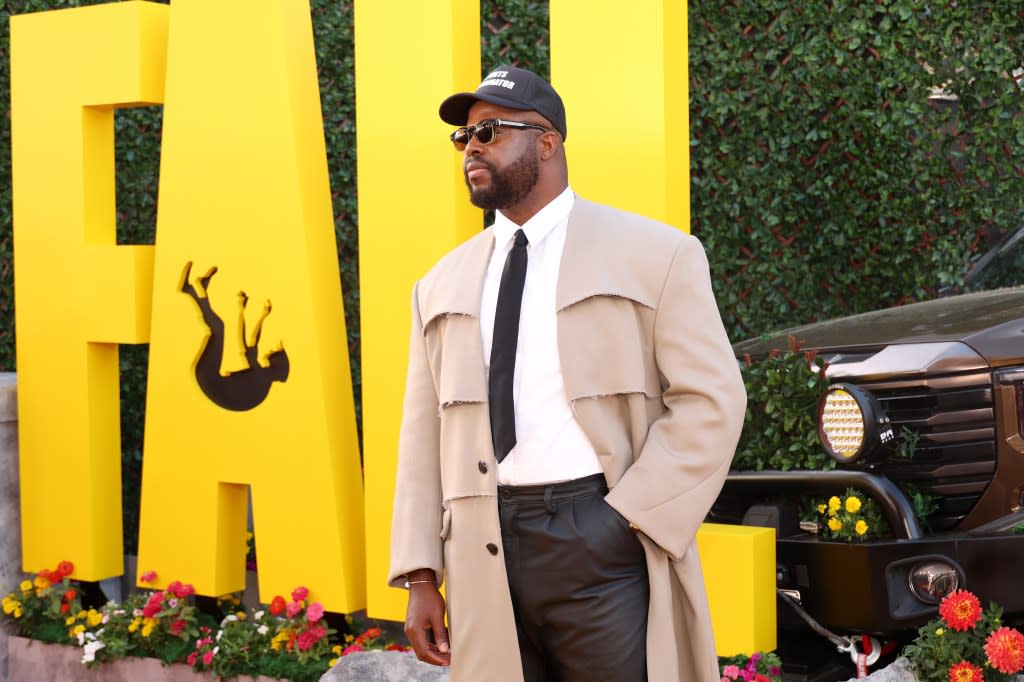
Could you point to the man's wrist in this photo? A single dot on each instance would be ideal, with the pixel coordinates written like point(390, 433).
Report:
point(421, 576)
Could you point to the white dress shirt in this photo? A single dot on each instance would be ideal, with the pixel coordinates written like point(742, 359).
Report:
point(550, 445)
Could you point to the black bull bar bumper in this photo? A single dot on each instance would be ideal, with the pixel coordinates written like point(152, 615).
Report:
point(865, 587)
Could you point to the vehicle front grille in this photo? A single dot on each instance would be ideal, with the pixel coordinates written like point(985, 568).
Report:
point(955, 456)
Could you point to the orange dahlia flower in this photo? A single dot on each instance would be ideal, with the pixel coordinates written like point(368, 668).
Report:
point(960, 610)
point(965, 672)
point(1005, 650)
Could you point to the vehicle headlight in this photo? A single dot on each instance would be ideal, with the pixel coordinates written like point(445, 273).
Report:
point(851, 424)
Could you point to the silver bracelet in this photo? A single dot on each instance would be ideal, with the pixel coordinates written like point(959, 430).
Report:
point(415, 582)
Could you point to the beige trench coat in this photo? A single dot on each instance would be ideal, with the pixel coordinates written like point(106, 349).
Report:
point(652, 381)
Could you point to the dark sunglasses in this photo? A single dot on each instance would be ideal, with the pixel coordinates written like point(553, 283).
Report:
point(484, 131)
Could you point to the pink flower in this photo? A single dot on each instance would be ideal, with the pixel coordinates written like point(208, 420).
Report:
point(191, 660)
point(731, 672)
point(180, 590)
point(351, 649)
point(148, 576)
point(208, 657)
point(300, 593)
point(293, 609)
point(306, 641)
point(315, 612)
point(177, 626)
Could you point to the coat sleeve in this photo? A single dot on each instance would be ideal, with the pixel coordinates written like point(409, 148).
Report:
point(682, 466)
point(416, 523)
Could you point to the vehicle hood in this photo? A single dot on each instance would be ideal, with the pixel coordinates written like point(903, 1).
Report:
point(990, 322)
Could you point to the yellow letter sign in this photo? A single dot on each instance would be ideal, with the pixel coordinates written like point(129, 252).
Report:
point(78, 294)
point(249, 380)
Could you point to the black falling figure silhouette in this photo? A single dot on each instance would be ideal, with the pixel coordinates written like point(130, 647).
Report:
point(244, 389)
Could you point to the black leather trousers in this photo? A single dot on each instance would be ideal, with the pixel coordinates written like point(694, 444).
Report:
point(578, 580)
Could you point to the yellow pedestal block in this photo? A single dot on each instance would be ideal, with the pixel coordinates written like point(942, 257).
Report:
point(739, 570)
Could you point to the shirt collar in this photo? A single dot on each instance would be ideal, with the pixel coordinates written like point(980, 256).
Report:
point(537, 227)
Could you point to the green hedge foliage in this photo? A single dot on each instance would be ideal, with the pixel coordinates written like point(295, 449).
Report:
point(824, 179)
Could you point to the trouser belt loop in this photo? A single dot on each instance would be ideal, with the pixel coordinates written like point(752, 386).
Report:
point(549, 505)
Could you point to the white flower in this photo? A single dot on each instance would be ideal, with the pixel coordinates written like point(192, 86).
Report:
point(137, 613)
point(90, 650)
point(228, 619)
point(81, 639)
point(215, 650)
point(263, 629)
point(219, 633)
point(258, 615)
point(106, 619)
point(173, 602)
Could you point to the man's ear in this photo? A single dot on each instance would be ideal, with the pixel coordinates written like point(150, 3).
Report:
point(549, 143)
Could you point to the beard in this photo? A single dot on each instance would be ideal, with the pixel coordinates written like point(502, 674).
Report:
point(507, 187)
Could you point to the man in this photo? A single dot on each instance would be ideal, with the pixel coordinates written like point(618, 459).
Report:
point(571, 410)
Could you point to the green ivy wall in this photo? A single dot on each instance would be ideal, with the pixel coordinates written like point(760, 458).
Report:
point(824, 179)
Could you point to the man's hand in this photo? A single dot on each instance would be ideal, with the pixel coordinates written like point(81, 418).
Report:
point(424, 619)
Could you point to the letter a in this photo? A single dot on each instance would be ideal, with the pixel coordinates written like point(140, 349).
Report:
point(249, 380)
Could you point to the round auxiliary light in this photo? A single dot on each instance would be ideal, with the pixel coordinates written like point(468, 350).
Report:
point(851, 423)
point(932, 581)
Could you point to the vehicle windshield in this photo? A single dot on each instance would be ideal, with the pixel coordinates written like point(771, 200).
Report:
point(1001, 267)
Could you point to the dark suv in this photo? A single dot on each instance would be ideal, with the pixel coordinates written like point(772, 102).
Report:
point(949, 373)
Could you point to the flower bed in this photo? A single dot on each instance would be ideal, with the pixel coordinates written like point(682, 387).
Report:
point(32, 660)
point(288, 639)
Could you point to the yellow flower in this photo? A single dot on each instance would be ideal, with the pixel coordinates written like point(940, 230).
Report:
point(240, 615)
point(349, 639)
point(41, 582)
point(147, 630)
point(279, 639)
point(822, 508)
point(834, 504)
point(94, 618)
point(70, 620)
point(330, 663)
point(939, 632)
point(852, 504)
point(861, 527)
point(835, 524)
point(82, 615)
point(26, 586)
point(134, 625)
point(336, 650)
point(17, 612)
point(11, 604)
point(77, 630)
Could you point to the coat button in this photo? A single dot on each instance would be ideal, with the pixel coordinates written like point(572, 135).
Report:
point(492, 548)
point(482, 466)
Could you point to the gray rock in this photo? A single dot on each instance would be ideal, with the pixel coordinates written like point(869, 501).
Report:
point(384, 666)
point(899, 671)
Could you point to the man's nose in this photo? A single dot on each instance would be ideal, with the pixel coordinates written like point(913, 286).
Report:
point(473, 147)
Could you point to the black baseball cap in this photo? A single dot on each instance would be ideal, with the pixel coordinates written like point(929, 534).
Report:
point(511, 87)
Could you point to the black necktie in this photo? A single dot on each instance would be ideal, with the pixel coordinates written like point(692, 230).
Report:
point(503, 348)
